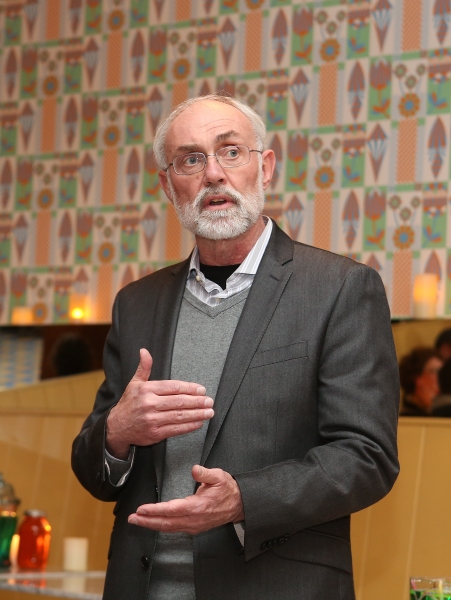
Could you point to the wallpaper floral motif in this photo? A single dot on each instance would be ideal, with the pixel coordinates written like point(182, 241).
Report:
point(356, 96)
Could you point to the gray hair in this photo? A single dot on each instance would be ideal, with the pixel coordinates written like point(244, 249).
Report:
point(257, 123)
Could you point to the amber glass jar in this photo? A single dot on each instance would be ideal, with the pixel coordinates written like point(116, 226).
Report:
point(34, 544)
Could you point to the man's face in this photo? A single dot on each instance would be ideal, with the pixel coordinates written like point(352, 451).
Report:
point(217, 203)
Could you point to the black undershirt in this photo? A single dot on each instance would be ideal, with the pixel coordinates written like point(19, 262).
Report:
point(218, 275)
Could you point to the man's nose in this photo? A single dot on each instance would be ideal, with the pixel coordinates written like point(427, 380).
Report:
point(213, 172)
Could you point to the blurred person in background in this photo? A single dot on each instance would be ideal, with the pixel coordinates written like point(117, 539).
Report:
point(419, 379)
point(443, 344)
point(442, 403)
point(71, 355)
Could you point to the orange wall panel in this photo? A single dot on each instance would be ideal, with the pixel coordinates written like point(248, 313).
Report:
point(407, 150)
point(104, 293)
point(173, 234)
point(53, 20)
point(254, 31)
point(109, 175)
point(114, 60)
point(48, 138)
point(412, 17)
point(322, 220)
point(182, 10)
point(402, 281)
point(327, 101)
point(43, 237)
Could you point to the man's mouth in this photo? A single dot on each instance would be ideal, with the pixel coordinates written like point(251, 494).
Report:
point(218, 201)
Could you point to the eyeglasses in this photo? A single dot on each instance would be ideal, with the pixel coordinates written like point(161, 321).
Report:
point(194, 162)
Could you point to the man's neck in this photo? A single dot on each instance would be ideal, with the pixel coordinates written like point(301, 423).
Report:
point(229, 252)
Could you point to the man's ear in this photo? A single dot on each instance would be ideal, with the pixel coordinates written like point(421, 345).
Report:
point(163, 179)
point(268, 166)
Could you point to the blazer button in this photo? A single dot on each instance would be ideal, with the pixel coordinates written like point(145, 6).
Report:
point(283, 539)
point(156, 490)
point(144, 562)
point(264, 546)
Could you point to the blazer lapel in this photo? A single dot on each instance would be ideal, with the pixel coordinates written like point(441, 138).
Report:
point(166, 315)
point(272, 276)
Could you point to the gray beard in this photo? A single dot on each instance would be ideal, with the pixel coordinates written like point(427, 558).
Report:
point(221, 224)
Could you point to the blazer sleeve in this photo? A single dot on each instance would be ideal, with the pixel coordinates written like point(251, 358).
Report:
point(357, 404)
point(88, 449)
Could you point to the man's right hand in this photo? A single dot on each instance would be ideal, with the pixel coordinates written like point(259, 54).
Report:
point(151, 411)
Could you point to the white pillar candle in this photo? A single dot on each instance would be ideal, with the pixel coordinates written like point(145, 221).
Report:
point(425, 292)
point(75, 554)
point(74, 583)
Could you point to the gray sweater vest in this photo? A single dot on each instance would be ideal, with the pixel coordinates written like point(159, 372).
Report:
point(201, 344)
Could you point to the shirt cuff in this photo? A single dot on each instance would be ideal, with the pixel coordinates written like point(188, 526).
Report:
point(118, 470)
point(239, 529)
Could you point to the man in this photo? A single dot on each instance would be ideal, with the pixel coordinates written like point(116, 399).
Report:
point(443, 344)
point(270, 414)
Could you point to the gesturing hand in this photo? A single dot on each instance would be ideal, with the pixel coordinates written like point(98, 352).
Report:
point(151, 411)
point(217, 501)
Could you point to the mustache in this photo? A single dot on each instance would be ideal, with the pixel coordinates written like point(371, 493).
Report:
point(217, 190)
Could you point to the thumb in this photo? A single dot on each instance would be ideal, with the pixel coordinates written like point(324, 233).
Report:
point(144, 367)
point(204, 475)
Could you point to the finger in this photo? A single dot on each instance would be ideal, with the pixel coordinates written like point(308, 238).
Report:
point(208, 476)
point(169, 525)
point(171, 430)
point(144, 367)
point(173, 387)
point(168, 403)
point(179, 507)
point(175, 417)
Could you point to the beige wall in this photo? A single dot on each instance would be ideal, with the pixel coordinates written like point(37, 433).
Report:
point(409, 531)
point(37, 426)
point(405, 534)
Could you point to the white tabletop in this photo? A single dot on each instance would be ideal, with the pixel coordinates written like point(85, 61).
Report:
point(63, 584)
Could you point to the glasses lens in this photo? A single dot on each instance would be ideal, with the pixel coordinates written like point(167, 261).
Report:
point(233, 156)
point(188, 164)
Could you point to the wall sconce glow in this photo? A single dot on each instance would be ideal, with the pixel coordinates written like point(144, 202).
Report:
point(22, 315)
point(78, 307)
point(77, 314)
point(425, 291)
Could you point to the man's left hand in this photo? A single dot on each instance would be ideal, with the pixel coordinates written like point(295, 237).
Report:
point(216, 502)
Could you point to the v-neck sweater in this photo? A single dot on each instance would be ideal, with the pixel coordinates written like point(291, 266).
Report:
point(202, 341)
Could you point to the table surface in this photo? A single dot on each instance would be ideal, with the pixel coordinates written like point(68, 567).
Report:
point(63, 584)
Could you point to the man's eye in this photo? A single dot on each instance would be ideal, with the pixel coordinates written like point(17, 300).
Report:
point(231, 152)
point(190, 160)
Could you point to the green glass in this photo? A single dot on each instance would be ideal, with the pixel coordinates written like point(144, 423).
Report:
point(430, 595)
point(430, 588)
point(8, 522)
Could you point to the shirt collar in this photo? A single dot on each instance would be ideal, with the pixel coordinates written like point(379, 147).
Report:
point(249, 265)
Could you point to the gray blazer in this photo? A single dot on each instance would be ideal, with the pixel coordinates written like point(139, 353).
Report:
point(305, 420)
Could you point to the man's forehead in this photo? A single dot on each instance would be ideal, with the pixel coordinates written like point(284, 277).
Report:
point(209, 118)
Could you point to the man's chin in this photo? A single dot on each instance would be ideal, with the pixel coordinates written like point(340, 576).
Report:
point(219, 233)
point(218, 224)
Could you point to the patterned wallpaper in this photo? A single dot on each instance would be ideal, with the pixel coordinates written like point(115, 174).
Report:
point(356, 96)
